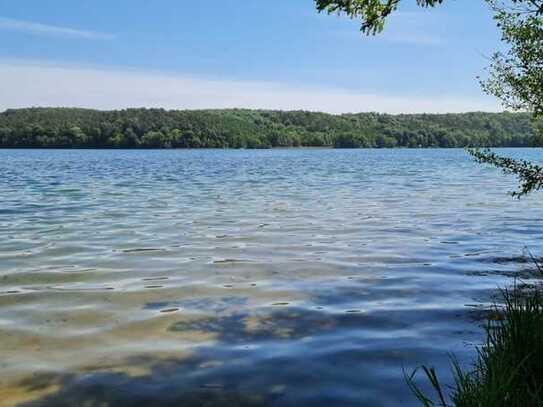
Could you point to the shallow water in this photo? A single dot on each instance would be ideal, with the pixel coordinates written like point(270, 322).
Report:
point(267, 278)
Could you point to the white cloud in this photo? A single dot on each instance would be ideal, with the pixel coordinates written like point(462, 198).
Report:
point(50, 30)
point(24, 84)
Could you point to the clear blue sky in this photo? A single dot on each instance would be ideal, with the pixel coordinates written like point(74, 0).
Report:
point(244, 53)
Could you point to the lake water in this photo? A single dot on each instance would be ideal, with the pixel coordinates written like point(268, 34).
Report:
point(252, 278)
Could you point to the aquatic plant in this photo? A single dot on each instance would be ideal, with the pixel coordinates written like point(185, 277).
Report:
point(508, 371)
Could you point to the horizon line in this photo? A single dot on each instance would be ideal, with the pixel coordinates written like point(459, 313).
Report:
point(239, 108)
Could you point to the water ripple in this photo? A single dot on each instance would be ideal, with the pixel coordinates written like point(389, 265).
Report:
point(262, 278)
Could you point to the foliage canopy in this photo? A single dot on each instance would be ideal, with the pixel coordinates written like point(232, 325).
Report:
point(372, 13)
point(237, 128)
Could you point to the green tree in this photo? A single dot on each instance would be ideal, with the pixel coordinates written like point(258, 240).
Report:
point(116, 139)
point(516, 78)
point(530, 175)
point(234, 128)
point(153, 139)
point(174, 137)
point(130, 138)
point(372, 13)
point(75, 136)
point(515, 75)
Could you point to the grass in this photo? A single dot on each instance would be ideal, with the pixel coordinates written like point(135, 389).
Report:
point(509, 367)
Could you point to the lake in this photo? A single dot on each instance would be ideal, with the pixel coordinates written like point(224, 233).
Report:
point(301, 277)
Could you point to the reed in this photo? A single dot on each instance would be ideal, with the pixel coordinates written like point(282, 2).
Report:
point(508, 371)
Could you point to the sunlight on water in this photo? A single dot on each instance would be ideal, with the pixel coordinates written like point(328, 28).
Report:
point(281, 277)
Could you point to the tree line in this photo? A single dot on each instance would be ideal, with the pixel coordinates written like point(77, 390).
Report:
point(241, 128)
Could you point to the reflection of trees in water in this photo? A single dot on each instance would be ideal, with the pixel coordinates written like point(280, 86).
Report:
point(278, 356)
point(239, 328)
point(104, 389)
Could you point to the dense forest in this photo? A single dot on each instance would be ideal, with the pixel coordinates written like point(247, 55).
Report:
point(239, 128)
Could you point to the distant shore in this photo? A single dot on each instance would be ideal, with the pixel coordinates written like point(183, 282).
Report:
point(259, 129)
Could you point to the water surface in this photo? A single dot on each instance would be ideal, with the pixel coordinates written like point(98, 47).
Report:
point(266, 278)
